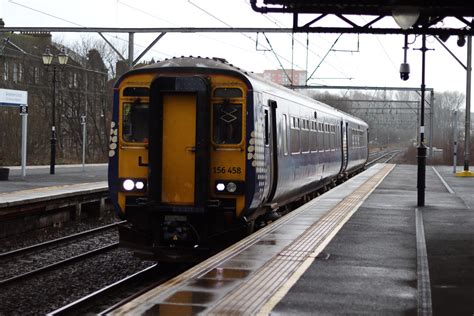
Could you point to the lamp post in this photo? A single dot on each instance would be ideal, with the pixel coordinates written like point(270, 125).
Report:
point(47, 61)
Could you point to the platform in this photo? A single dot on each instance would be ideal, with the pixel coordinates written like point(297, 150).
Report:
point(39, 177)
point(41, 199)
point(359, 248)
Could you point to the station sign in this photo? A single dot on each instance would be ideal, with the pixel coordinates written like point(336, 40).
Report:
point(13, 97)
point(23, 109)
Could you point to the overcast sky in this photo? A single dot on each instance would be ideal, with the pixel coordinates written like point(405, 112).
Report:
point(365, 60)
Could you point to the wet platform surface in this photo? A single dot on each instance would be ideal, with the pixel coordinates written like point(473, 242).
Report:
point(39, 177)
point(369, 266)
point(39, 185)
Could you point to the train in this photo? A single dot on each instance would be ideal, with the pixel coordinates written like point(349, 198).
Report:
point(203, 153)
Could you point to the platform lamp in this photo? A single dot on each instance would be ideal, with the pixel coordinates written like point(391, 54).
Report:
point(48, 61)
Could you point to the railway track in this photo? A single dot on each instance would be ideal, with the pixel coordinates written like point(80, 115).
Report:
point(94, 302)
point(108, 298)
point(382, 156)
point(24, 263)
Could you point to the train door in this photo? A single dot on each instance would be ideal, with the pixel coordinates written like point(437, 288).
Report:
point(344, 146)
point(179, 141)
point(271, 147)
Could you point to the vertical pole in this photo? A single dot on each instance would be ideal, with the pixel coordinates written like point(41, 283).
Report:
point(24, 133)
point(130, 49)
point(431, 122)
point(83, 123)
point(53, 126)
point(307, 52)
point(84, 127)
point(455, 141)
point(468, 105)
point(292, 82)
point(421, 146)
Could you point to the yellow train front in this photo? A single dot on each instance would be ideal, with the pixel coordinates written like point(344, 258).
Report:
point(178, 157)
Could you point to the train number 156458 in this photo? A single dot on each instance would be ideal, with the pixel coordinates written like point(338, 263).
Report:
point(229, 170)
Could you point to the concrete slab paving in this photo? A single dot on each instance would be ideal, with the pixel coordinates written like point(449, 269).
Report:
point(39, 177)
point(371, 265)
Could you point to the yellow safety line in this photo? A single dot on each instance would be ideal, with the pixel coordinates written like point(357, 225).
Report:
point(277, 276)
point(164, 290)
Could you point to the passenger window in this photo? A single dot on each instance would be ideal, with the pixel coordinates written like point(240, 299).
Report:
point(135, 122)
point(227, 125)
point(284, 135)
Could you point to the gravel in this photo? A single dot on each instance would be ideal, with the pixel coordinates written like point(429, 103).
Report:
point(35, 259)
point(48, 233)
point(50, 291)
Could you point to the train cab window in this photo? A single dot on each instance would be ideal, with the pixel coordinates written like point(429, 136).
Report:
point(227, 122)
point(136, 92)
point(135, 122)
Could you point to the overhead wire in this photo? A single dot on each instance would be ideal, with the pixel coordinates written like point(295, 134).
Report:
point(166, 21)
point(213, 16)
point(177, 25)
point(306, 46)
point(74, 23)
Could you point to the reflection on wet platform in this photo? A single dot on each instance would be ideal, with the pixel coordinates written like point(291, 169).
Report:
point(225, 273)
point(191, 297)
point(171, 309)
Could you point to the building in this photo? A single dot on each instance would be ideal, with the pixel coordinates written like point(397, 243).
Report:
point(282, 76)
point(81, 90)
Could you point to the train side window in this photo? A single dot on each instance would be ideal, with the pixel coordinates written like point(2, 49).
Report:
point(284, 134)
point(313, 136)
point(304, 136)
point(227, 123)
point(295, 135)
point(320, 137)
point(135, 122)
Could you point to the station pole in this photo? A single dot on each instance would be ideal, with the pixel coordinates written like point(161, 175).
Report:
point(455, 141)
point(53, 126)
point(24, 133)
point(421, 150)
point(468, 105)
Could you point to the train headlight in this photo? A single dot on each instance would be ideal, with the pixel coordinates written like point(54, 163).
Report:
point(140, 185)
point(128, 185)
point(133, 185)
point(231, 187)
point(220, 187)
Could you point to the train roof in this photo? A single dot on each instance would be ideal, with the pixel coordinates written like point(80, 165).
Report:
point(213, 63)
point(216, 64)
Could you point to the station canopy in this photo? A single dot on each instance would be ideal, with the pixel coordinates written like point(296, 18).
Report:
point(428, 14)
point(376, 7)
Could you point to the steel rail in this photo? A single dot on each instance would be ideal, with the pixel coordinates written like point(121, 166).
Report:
point(57, 241)
point(82, 303)
point(382, 156)
point(58, 264)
